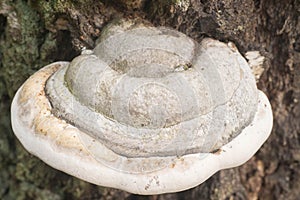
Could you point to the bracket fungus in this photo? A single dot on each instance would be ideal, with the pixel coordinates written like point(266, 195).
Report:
point(148, 111)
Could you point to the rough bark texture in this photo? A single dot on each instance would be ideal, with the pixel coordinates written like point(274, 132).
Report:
point(34, 33)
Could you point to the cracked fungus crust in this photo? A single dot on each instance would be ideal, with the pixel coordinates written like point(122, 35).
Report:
point(146, 92)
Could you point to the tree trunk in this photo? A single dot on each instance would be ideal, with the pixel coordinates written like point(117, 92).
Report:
point(35, 33)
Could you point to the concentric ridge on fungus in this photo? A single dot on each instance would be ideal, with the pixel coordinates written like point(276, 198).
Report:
point(131, 94)
point(144, 106)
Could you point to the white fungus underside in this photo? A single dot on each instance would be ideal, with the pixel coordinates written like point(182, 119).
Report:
point(176, 174)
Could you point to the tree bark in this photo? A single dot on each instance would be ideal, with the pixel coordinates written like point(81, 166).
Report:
point(35, 33)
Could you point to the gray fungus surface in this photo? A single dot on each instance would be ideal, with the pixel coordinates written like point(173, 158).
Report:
point(148, 92)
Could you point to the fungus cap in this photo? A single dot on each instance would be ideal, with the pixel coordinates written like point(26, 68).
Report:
point(148, 111)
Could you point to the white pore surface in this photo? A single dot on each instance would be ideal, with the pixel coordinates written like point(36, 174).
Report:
point(185, 172)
